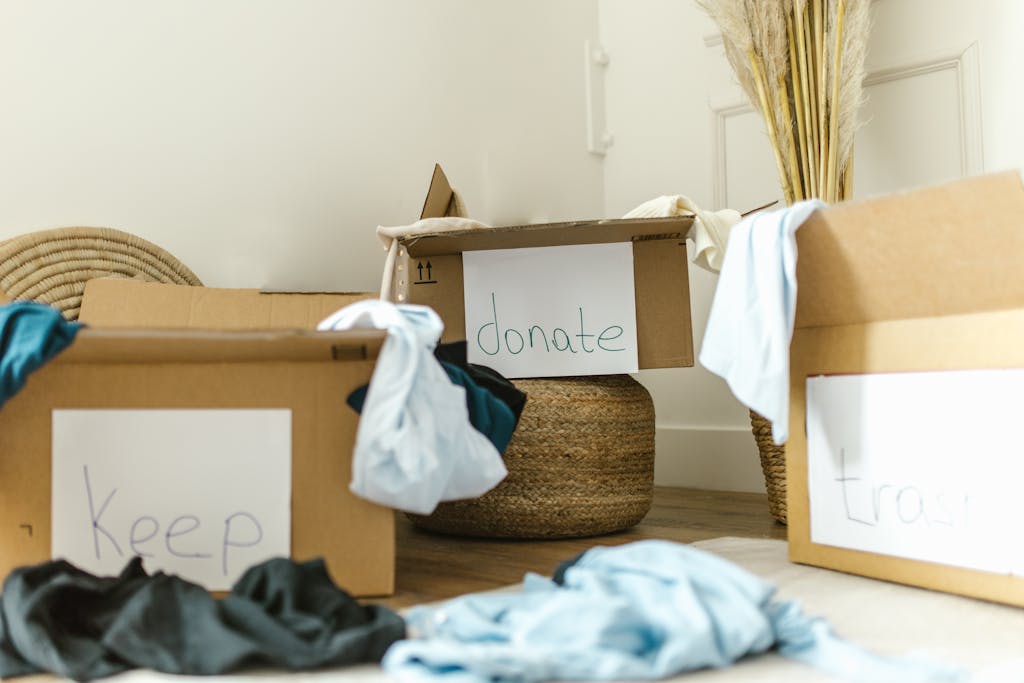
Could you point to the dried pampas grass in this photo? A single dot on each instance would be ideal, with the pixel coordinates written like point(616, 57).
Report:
point(801, 63)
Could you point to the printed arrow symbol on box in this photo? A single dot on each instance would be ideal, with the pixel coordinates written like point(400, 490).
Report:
point(428, 270)
point(419, 266)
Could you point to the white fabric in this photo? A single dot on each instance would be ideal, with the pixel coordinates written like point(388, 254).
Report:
point(710, 230)
point(415, 445)
point(751, 321)
point(397, 257)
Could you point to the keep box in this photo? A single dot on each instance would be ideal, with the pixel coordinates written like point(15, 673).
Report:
point(182, 348)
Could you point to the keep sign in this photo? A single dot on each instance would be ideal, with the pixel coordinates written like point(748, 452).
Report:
point(551, 311)
point(203, 494)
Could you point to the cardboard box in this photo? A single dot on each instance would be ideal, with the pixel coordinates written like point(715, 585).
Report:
point(891, 291)
point(307, 373)
point(134, 304)
point(661, 281)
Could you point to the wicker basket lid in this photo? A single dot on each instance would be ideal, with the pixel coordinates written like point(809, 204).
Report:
point(581, 463)
point(52, 266)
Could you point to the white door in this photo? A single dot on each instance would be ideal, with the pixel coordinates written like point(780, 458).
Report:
point(941, 86)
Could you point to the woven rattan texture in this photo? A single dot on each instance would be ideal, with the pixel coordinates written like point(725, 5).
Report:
point(581, 463)
point(52, 266)
point(773, 464)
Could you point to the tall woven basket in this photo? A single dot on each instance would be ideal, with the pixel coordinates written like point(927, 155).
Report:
point(581, 463)
point(52, 266)
point(773, 464)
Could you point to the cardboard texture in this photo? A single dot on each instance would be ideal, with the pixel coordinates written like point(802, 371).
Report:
point(131, 303)
point(309, 373)
point(928, 280)
point(661, 280)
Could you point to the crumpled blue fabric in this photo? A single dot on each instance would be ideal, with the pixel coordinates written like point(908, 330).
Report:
point(640, 611)
point(415, 446)
point(488, 414)
point(30, 335)
point(750, 325)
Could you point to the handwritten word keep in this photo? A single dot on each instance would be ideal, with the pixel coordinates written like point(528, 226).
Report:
point(181, 536)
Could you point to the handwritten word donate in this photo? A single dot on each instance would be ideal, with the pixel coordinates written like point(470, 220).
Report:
point(493, 337)
point(551, 311)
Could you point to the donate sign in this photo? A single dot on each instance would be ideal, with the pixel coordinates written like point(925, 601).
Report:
point(203, 494)
point(551, 311)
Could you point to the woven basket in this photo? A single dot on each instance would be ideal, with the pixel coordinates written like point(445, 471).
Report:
point(773, 464)
point(52, 266)
point(581, 463)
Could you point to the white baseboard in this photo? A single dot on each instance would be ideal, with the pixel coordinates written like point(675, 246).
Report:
point(714, 459)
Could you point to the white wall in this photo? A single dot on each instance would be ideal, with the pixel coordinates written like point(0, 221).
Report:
point(262, 141)
point(977, 49)
point(658, 110)
point(954, 107)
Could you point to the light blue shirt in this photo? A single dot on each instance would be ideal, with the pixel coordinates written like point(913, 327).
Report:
point(640, 611)
point(751, 321)
point(415, 445)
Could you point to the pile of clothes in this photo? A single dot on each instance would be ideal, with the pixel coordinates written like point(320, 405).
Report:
point(639, 611)
point(433, 428)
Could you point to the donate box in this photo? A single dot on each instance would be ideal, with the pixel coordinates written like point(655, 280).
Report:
point(202, 451)
point(907, 368)
point(658, 289)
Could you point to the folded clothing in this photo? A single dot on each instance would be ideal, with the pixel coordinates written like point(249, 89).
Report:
point(60, 619)
point(30, 335)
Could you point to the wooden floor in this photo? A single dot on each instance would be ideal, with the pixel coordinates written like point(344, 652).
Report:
point(433, 567)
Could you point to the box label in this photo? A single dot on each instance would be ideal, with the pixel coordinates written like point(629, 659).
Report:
point(922, 465)
point(551, 311)
point(203, 494)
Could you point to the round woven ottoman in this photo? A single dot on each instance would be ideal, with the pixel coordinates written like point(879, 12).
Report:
point(581, 463)
point(52, 266)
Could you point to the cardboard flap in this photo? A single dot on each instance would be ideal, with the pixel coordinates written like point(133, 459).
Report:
point(439, 196)
point(946, 250)
point(549, 235)
point(130, 303)
point(661, 280)
point(196, 346)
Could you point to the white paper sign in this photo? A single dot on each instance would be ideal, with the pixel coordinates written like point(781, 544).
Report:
point(551, 311)
point(199, 493)
point(925, 465)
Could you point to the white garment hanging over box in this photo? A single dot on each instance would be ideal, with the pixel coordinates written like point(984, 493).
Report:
point(710, 230)
point(415, 446)
point(751, 322)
